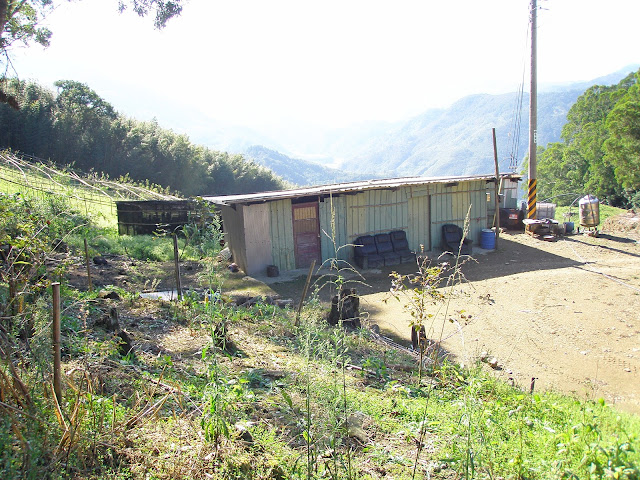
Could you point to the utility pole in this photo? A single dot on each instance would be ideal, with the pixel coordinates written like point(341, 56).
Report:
point(533, 119)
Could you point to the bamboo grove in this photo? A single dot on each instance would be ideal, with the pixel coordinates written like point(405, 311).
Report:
point(75, 126)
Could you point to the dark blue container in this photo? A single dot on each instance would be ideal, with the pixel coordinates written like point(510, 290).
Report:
point(488, 239)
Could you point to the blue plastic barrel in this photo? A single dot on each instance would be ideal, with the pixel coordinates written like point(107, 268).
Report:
point(569, 227)
point(487, 239)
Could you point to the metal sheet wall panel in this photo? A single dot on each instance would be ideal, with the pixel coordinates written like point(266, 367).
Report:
point(377, 211)
point(450, 204)
point(476, 198)
point(478, 211)
point(233, 224)
point(333, 229)
point(282, 246)
point(257, 238)
point(419, 231)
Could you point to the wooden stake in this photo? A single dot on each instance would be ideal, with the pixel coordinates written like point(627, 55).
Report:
point(304, 292)
point(86, 258)
point(57, 376)
point(176, 257)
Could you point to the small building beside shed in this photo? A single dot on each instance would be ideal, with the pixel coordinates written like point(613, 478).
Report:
point(291, 228)
point(145, 217)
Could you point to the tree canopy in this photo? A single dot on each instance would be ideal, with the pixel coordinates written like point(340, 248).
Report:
point(600, 149)
point(622, 147)
point(21, 20)
point(76, 126)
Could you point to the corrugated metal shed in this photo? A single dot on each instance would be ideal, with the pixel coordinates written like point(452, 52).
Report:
point(274, 228)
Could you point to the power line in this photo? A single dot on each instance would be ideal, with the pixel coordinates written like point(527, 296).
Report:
point(514, 148)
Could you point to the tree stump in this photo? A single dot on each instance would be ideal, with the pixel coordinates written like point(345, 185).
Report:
point(418, 337)
point(345, 309)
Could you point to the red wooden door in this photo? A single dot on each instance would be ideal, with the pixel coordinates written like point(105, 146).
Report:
point(306, 233)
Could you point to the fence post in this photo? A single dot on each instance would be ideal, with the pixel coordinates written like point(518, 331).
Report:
point(177, 262)
point(304, 292)
point(57, 378)
point(86, 259)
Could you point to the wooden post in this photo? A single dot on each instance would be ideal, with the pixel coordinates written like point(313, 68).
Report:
point(495, 158)
point(57, 377)
point(176, 257)
point(304, 292)
point(495, 218)
point(13, 291)
point(86, 258)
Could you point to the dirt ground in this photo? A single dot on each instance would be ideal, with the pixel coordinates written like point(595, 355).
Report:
point(566, 313)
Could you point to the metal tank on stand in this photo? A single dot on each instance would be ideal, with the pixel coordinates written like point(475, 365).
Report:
point(589, 210)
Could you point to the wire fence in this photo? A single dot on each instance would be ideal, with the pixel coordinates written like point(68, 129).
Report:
point(24, 173)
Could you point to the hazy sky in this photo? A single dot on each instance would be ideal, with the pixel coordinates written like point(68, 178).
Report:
point(330, 63)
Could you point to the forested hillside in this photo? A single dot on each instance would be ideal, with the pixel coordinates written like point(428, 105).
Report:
point(75, 126)
point(453, 141)
point(600, 148)
point(458, 140)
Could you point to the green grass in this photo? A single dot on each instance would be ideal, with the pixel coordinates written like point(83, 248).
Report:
point(93, 195)
point(470, 424)
point(96, 205)
point(99, 207)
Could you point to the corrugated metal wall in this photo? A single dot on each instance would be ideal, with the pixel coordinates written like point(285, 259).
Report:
point(419, 210)
point(282, 246)
point(419, 231)
point(334, 242)
point(377, 211)
point(449, 204)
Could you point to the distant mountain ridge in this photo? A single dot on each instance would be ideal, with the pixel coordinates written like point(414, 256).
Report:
point(450, 141)
point(298, 171)
point(458, 140)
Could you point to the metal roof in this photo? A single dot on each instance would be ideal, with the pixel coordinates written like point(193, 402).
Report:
point(339, 188)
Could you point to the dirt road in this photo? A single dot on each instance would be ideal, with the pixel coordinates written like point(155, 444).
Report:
point(564, 312)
